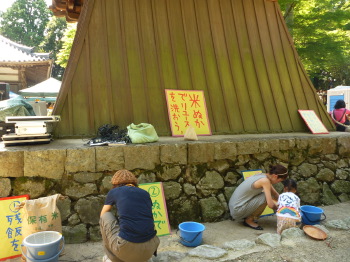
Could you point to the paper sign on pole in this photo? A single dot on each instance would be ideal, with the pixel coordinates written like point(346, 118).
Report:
point(187, 108)
point(248, 173)
point(160, 213)
point(11, 227)
point(313, 122)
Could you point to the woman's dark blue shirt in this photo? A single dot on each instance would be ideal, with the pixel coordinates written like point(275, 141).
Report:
point(134, 208)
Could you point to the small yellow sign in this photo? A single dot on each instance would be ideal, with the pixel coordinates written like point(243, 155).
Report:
point(248, 173)
point(11, 227)
point(160, 213)
point(187, 108)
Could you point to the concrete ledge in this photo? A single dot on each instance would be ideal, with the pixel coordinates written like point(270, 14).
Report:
point(11, 163)
point(109, 158)
point(198, 176)
point(200, 152)
point(225, 150)
point(49, 163)
point(82, 159)
point(141, 156)
point(173, 154)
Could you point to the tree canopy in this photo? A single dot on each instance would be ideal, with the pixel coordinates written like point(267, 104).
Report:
point(54, 31)
point(320, 29)
point(53, 42)
point(25, 21)
point(68, 38)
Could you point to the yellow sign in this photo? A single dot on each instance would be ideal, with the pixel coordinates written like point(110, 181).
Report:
point(187, 108)
point(10, 227)
point(248, 173)
point(313, 122)
point(160, 213)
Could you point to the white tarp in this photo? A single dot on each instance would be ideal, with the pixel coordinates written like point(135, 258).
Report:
point(48, 88)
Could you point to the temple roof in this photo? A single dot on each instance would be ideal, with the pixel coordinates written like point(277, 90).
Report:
point(239, 53)
point(13, 52)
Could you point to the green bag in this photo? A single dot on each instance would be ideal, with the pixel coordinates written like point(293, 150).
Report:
point(142, 133)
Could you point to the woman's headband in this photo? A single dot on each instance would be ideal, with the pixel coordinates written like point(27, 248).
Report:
point(283, 174)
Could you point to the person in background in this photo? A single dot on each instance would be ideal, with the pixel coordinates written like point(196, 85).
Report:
point(340, 114)
point(131, 237)
point(288, 212)
point(251, 197)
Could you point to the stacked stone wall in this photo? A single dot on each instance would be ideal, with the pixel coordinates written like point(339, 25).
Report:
point(198, 177)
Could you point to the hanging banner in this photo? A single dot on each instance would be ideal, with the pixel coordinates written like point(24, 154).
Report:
point(248, 173)
point(313, 122)
point(160, 213)
point(11, 227)
point(187, 108)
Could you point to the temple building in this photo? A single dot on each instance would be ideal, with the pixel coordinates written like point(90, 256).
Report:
point(126, 53)
point(21, 67)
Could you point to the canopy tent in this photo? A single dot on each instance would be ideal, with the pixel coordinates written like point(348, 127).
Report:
point(48, 88)
point(46, 99)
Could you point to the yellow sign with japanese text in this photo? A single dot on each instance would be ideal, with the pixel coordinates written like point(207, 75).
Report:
point(11, 227)
point(187, 108)
point(248, 173)
point(160, 213)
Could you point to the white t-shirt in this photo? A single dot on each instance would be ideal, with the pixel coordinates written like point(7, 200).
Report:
point(288, 205)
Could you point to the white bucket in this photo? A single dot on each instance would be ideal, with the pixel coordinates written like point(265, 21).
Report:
point(43, 246)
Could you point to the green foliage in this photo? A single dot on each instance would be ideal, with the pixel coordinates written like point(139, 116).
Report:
point(53, 42)
point(25, 21)
point(320, 32)
point(68, 38)
point(54, 31)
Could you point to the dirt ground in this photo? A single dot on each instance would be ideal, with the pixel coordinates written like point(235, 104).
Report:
point(335, 248)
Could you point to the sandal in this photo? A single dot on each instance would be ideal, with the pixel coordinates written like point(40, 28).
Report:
point(256, 228)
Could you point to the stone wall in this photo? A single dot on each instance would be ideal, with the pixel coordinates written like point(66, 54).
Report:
point(198, 177)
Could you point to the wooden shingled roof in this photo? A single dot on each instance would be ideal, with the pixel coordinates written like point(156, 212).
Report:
point(70, 9)
point(239, 52)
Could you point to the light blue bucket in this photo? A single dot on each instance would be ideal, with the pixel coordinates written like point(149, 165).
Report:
point(43, 246)
point(311, 215)
point(191, 233)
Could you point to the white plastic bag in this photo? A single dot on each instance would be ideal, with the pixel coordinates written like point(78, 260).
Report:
point(190, 134)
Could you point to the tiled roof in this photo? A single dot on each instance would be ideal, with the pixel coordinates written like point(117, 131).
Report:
point(13, 52)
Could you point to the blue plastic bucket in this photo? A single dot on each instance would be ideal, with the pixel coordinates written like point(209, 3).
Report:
point(43, 246)
point(311, 215)
point(191, 233)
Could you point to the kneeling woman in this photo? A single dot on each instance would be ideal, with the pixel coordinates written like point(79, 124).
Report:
point(251, 197)
point(131, 237)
